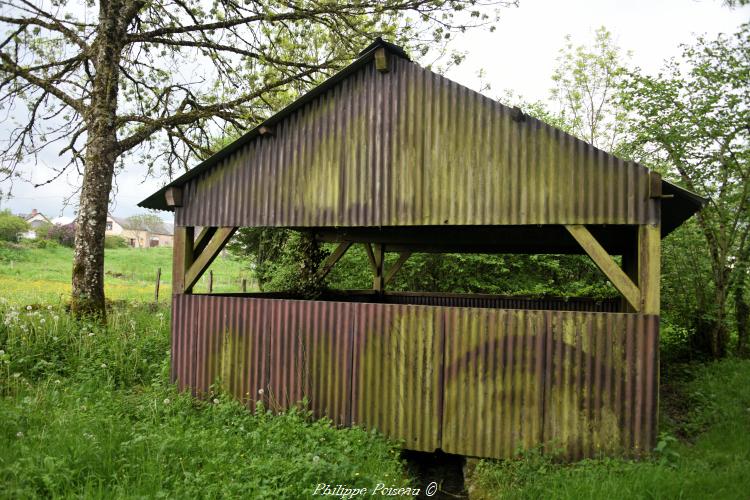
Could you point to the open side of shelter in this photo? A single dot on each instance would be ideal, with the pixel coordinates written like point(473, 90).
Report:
point(395, 158)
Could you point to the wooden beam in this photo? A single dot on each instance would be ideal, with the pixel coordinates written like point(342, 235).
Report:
point(649, 267)
point(332, 259)
point(370, 257)
point(381, 60)
point(202, 239)
point(207, 256)
point(402, 258)
point(608, 266)
point(378, 281)
point(173, 196)
point(182, 257)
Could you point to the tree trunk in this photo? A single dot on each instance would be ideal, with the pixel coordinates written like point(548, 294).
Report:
point(101, 154)
point(742, 315)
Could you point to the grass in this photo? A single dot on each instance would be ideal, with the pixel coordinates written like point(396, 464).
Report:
point(711, 459)
point(42, 275)
point(87, 411)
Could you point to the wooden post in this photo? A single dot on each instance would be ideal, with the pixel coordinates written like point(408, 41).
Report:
point(378, 281)
point(210, 281)
point(182, 257)
point(649, 267)
point(244, 285)
point(158, 280)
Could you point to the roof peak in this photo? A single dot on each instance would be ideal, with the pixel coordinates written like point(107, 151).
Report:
point(380, 43)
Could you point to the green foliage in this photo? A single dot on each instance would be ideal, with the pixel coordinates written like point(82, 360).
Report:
point(115, 242)
point(713, 463)
point(11, 227)
point(87, 411)
point(690, 122)
point(587, 81)
point(278, 258)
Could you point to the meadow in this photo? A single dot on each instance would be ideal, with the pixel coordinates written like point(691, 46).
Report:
point(87, 411)
point(42, 275)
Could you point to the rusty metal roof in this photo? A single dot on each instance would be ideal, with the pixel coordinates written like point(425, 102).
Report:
point(408, 147)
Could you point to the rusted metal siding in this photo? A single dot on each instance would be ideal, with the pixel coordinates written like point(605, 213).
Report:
point(310, 353)
point(499, 302)
point(601, 384)
point(398, 372)
point(410, 147)
point(494, 381)
point(475, 381)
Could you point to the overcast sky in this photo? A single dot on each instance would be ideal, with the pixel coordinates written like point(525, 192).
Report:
point(518, 56)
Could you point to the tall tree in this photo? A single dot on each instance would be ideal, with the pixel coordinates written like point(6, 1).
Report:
point(586, 89)
point(693, 121)
point(161, 77)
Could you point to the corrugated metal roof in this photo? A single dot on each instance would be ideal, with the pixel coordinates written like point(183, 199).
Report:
point(410, 147)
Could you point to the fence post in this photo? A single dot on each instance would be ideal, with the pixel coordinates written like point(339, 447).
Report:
point(210, 281)
point(158, 280)
point(244, 285)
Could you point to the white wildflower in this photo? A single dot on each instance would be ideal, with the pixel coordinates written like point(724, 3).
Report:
point(91, 334)
point(16, 375)
point(316, 458)
point(19, 434)
point(28, 308)
point(216, 401)
point(166, 401)
point(42, 321)
point(57, 381)
point(260, 391)
point(49, 308)
point(55, 339)
point(104, 365)
point(2, 352)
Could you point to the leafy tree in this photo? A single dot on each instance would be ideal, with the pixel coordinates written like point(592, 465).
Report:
point(691, 121)
point(11, 227)
point(586, 90)
point(160, 78)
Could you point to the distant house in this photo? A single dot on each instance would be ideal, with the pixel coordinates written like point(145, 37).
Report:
point(140, 234)
point(35, 220)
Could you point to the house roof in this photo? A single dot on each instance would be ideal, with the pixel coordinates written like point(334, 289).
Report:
point(409, 147)
point(155, 227)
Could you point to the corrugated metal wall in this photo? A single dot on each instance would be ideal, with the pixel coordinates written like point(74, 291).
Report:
point(410, 147)
point(474, 381)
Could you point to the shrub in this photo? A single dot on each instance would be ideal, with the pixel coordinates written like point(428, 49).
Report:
point(64, 235)
point(115, 242)
point(11, 227)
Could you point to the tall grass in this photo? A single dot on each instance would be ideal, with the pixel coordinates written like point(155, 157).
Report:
point(87, 411)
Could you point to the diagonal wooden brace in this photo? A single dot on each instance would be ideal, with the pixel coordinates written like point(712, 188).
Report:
point(332, 259)
point(402, 258)
point(206, 257)
point(606, 263)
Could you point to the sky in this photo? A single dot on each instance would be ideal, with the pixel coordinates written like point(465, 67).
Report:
point(520, 55)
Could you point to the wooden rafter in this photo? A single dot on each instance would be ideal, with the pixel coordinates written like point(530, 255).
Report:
point(332, 259)
point(606, 263)
point(206, 257)
point(402, 258)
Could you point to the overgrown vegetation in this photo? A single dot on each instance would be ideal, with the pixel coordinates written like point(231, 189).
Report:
point(87, 411)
